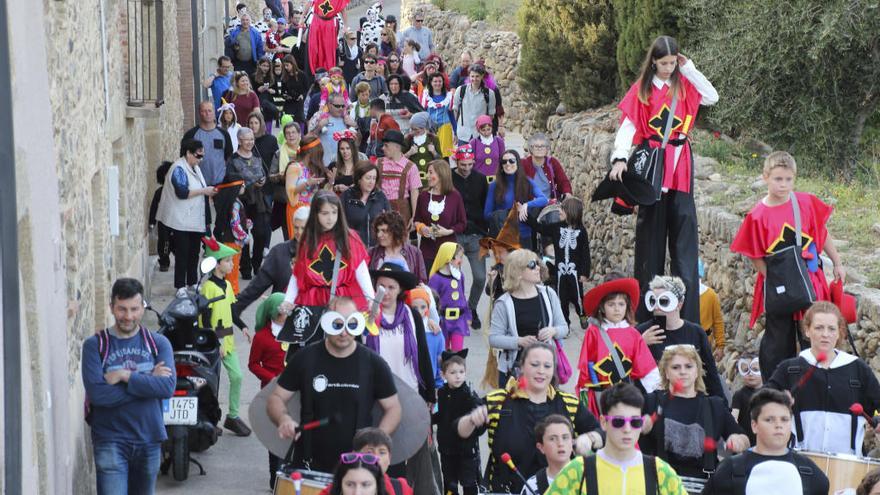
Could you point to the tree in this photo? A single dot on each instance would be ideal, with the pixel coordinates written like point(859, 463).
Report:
point(638, 23)
point(802, 75)
point(566, 54)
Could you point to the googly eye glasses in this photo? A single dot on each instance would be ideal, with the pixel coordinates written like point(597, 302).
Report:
point(333, 323)
point(748, 367)
point(666, 301)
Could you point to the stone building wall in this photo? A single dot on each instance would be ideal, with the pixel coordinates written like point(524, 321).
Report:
point(91, 130)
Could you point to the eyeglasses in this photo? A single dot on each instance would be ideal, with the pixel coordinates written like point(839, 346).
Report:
point(748, 367)
point(199, 155)
point(333, 323)
point(353, 457)
point(511, 161)
point(665, 302)
point(619, 421)
point(531, 265)
point(336, 105)
point(419, 20)
point(393, 60)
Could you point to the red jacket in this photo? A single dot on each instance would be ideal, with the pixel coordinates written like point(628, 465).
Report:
point(267, 357)
point(389, 488)
point(559, 183)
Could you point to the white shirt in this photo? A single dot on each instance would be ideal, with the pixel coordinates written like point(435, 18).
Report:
point(391, 349)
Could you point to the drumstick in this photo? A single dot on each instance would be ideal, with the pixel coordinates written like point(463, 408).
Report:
point(297, 479)
point(677, 386)
point(809, 374)
point(505, 458)
point(858, 410)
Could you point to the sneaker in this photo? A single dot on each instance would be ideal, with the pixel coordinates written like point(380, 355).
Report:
point(237, 426)
point(164, 268)
point(475, 322)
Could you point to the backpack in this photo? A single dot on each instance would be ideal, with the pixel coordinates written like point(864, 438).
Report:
point(738, 465)
point(461, 91)
point(104, 350)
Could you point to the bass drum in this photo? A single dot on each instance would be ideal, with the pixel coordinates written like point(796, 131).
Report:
point(312, 483)
point(844, 471)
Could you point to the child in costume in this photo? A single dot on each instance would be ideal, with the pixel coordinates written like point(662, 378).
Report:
point(447, 281)
point(231, 225)
point(459, 457)
point(410, 57)
point(326, 236)
point(611, 306)
point(227, 121)
point(487, 147)
point(711, 318)
point(266, 359)
point(336, 85)
point(571, 246)
point(749, 369)
point(421, 301)
point(219, 318)
point(766, 229)
point(420, 145)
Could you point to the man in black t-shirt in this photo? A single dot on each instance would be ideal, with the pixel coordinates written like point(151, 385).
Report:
point(769, 467)
point(337, 379)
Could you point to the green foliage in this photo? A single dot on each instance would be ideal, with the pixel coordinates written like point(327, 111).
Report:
point(802, 75)
point(638, 23)
point(567, 53)
point(501, 13)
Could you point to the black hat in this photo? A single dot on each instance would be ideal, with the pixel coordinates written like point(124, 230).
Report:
point(393, 136)
point(393, 270)
point(390, 18)
point(631, 189)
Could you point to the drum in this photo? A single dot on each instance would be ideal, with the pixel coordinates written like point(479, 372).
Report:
point(843, 470)
point(312, 483)
point(692, 485)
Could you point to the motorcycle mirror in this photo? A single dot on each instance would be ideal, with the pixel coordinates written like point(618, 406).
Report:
point(208, 265)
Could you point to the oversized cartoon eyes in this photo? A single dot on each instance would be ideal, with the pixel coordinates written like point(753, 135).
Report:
point(666, 302)
point(748, 367)
point(333, 323)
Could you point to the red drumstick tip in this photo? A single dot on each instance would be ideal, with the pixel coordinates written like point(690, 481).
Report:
point(709, 444)
point(654, 417)
point(522, 383)
point(857, 409)
point(677, 386)
point(505, 457)
point(296, 476)
point(821, 357)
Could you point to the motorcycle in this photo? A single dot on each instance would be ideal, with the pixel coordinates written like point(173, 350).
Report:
point(192, 414)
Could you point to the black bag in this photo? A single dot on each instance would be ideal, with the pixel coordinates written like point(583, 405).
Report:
point(787, 285)
point(648, 162)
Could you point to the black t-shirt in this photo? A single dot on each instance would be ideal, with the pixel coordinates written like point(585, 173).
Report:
point(530, 315)
point(330, 386)
point(741, 401)
point(682, 430)
point(767, 474)
point(691, 334)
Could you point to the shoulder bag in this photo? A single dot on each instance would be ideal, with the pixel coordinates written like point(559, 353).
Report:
point(787, 285)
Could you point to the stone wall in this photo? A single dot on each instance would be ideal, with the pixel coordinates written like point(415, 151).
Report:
point(92, 130)
point(454, 32)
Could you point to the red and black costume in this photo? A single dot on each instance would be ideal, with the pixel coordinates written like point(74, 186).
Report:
point(765, 230)
point(674, 216)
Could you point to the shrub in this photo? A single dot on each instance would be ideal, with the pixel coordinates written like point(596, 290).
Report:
point(802, 74)
point(638, 23)
point(567, 53)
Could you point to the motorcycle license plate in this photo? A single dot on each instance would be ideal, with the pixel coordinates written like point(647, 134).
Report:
point(180, 410)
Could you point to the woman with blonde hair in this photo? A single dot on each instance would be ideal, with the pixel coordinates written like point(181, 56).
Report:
point(305, 176)
point(528, 312)
point(685, 424)
point(388, 44)
point(242, 96)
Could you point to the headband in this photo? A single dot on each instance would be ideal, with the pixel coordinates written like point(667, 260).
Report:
point(306, 147)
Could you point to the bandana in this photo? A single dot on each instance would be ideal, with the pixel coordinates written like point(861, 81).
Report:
point(464, 152)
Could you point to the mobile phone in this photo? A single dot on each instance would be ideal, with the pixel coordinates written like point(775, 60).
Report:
point(660, 321)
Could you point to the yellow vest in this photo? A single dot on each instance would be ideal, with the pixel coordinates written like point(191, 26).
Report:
point(221, 311)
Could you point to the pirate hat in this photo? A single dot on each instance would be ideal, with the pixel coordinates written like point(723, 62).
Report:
point(394, 270)
point(628, 286)
point(632, 189)
point(508, 236)
point(845, 302)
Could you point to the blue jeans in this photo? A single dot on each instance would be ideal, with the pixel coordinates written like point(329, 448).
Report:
point(127, 468)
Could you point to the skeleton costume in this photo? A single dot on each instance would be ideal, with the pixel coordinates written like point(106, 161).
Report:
point(572, 248)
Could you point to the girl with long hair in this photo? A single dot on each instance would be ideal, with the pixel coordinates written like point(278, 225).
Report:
point(304, 176)
point(512, 189)
point(293, 87)
point(666, 76)
point(437, 100)
point(326, 236)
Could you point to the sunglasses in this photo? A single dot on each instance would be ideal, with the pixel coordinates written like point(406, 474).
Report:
point(748, 367)
point(511, 161)
point(419, 20)
point(335, 105)
point(666, 301)
point(199, 155)
point(369, 61)
point(353, 457)
point(393, 60)
point(619, 421)
point(531, 265)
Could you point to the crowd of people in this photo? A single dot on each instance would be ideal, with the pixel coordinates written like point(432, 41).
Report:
point(383, 172)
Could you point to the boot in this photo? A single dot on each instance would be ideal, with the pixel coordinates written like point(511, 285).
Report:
point(237, 426)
